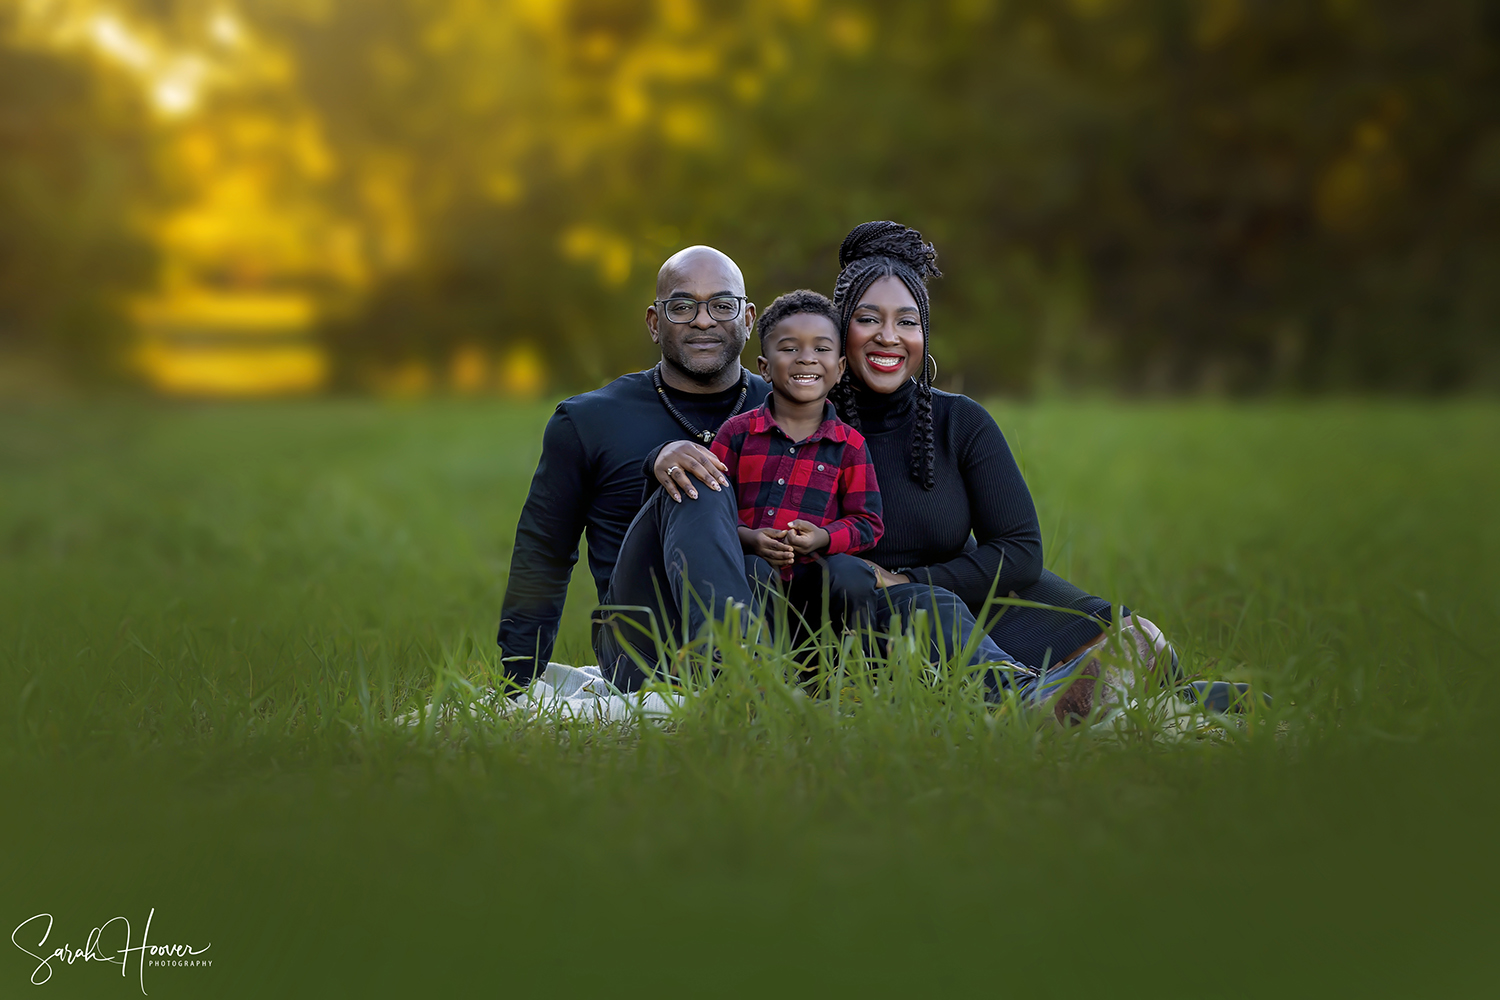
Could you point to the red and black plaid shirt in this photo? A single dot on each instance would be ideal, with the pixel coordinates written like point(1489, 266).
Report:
point(826, 478)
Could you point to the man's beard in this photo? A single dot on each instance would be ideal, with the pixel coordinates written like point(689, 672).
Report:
point(697, 366)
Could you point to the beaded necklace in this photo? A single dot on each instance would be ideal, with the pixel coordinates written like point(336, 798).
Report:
point(693, 432)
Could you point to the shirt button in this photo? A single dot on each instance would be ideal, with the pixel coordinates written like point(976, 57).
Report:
point(820, 467)
point(781, 482)
point(771, 511)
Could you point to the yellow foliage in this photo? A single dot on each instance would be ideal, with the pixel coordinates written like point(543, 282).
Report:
point(688, 125)
point(676, 60)
point(457, 153)
point(679, 15)
point(1216, 19)
point(973, 10)
point(629, 102)
point(1090, 8)
point(204, 343)
point(408, 380)
point(1352, 187)
point(850, 31)
point(799, 10)
point(608, 252)
point(544, 14)
point(469, 370)
point(203, 310)
point(264, 372)
point(1371, 136)
point(522, 372)
point(504, 187)
point(389, 216)
point(748, 86)
point(281, 370)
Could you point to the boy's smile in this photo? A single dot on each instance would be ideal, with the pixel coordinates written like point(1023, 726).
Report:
point(802, 360)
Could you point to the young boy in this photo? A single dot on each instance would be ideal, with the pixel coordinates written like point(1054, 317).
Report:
point(808, 499)
point(803, 478)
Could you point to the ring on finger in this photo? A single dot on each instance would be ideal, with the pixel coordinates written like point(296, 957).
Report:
point(673, 470)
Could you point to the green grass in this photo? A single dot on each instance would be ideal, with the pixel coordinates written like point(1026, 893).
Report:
point(209, 616)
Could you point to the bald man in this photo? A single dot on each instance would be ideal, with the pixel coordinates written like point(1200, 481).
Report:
point(598, 455)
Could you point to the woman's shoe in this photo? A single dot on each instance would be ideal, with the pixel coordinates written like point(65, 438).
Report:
point(1136, 645)
point(1077, 702)
point(1069, 687)
point(1142, 637)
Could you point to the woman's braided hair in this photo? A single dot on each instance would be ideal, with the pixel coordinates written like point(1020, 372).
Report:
point(871, 251)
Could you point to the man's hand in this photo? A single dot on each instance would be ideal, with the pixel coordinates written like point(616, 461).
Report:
point(806, 537)
point(682, 457)
point(768, 543)
point(885, 578)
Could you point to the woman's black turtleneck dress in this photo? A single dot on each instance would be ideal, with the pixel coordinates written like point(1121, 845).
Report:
point(977, 523)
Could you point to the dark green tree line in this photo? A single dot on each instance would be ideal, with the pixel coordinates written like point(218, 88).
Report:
point(1241, 195)
point(69, 164)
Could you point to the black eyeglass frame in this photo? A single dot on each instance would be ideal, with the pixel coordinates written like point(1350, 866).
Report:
point(739, 301)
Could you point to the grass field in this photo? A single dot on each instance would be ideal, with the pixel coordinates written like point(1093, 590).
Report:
point(209, 616)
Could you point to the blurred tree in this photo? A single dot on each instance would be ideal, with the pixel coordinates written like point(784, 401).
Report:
point(1234, 195)
point(71, 162)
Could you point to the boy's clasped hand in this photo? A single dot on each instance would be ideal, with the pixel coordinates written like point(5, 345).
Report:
point(781, 546)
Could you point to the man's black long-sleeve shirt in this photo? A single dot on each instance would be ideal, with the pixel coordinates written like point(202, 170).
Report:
point(590, 479)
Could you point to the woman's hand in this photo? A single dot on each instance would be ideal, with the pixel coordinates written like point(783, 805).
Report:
point(806, 537)
point(768, 543)
point(885, 578)
point(682, 457)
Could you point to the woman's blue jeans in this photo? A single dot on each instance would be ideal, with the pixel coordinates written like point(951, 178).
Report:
point(952, 625)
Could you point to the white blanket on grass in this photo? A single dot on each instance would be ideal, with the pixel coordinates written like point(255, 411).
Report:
point(564, 691)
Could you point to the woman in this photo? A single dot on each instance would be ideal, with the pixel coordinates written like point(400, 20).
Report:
point(958, 514)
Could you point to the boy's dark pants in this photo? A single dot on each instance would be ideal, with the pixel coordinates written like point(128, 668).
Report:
point(847, 581)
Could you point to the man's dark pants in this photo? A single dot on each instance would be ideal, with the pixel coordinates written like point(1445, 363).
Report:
point(676, 557)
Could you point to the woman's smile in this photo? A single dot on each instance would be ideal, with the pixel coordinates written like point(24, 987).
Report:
point(884, 342)
point(885, 361)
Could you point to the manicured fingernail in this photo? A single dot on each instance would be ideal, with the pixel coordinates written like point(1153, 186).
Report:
point(693, 494)
point(716, 487)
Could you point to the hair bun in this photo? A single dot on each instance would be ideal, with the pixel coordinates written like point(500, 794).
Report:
point(893, 240)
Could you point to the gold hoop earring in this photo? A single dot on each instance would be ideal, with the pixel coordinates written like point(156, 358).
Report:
point(933, 378)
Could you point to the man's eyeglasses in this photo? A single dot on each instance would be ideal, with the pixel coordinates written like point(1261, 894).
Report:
point(721, 308)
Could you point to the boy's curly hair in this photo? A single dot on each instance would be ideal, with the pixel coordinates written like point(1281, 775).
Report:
point(803, 300)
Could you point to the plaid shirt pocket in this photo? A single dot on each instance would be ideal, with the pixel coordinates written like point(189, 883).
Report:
point(819, 495)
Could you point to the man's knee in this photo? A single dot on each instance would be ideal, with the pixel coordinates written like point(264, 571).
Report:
point(761, 573)
point(702, 531)
point(711, 506)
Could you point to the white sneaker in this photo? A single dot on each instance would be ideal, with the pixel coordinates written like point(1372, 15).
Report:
point(1136, 645)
